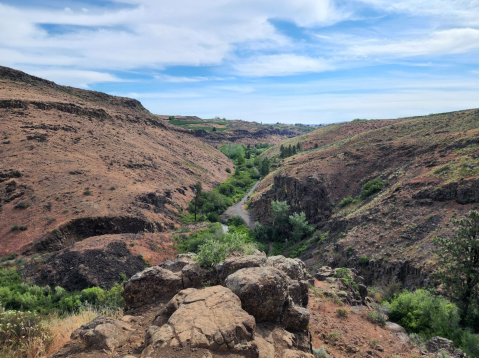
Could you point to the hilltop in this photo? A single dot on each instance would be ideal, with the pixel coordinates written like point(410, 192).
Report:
point(79, 164)
point(378, 191)
point(221, 131)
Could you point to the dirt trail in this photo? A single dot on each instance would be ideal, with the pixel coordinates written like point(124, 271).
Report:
point(239, 210)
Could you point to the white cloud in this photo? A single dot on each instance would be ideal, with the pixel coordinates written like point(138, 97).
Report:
point(281, 65)
point(155, 34)
point(451, 41)
point(76, 78)
point(185, 79)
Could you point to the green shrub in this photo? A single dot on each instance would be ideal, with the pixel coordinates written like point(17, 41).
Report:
point(320, 353)
point(342, 312)
point(372, 187)
point(22, 205)
point(213, 217)
point(364, 260)
point(228, 170)
point(14, 227)
point(346, 201)
point(214, 250)
point(376, 318)
point(236, 220)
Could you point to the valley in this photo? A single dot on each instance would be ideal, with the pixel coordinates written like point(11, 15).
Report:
point(103, 203)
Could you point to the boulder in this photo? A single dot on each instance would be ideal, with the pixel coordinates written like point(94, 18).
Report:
point(262, 291)
point(438, 344)
point(103, 333)
point(164, 314)
point(197, 277)
point(295, 318)
point(235, 263)
point(210, 318)
point(298, 291)
point(294, 268)
point(324, 273)
point(399, 331)
point(149, 286)
point(177, 264)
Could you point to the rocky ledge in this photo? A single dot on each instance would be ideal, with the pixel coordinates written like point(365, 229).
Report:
point(246, 306)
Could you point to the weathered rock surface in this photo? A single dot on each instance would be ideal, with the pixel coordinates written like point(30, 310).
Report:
point(103, 333)
point(438, 344)
point(399, 331)
point(209, 318)
point(177, 265)
point(149, 285)
point(197, 277)
point(262, 290)
point(294, 268)
point(235, 263)
point(295, 318)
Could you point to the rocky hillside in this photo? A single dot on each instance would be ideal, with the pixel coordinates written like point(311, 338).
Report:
point(79, 164)
point(246, 306)
point(421, 172)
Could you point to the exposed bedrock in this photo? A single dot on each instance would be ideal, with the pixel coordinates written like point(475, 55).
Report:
point(82, 228)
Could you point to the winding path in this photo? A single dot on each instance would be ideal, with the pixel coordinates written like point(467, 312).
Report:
point(239, 210)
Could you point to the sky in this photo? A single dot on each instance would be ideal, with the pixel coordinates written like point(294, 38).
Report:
point(288, 61)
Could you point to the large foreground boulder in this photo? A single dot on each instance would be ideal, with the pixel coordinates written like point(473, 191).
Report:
point(149, 286)
point(210, 318)
point(262, 291)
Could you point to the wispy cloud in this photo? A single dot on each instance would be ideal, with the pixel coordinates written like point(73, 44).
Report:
point(281, 65)
point(185, 79)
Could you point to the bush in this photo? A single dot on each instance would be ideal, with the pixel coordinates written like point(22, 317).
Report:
point(427, 315)
point(235, 220)
point(372, 187)
point(213, 217)
point(320, 353)
point(233, 150)
point(22, 205)
point(376, 318)
point(364, 260)
point(214, 250)
point(228, 170)
point(342, 312)
point(346, 201)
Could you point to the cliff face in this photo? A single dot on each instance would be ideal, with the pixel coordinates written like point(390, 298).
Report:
point(429, 167)
point(307, 195)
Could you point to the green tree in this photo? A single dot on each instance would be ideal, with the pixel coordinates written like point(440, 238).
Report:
point(459, 266)
point(264, 167)
point(301, 227)
point(198, 191)
point(281, 151)
point(240, 160)
point(279, 209)
point(214, 129)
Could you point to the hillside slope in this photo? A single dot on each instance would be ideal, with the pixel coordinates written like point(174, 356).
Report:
point(431, 169)
point(78, 164)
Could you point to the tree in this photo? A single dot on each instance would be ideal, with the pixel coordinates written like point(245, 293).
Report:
point(198, 190)
point(294, 150)
point(240, 160)
point(279, 209)
point(315, 145)
point(214, 129)
point(298, 146)
point(281, 151)
point(459, 266)
point(264, 167)
point(300, 226)
point(247, 155)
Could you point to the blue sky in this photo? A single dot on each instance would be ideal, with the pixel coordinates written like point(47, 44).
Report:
point(290, 61)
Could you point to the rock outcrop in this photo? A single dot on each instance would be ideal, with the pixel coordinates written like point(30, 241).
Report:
point(438, 344)
point(258, 310)
point(210, 318)
point(149, 285)
point(103, 333)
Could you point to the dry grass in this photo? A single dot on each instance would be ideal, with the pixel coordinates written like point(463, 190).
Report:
point(54, 333)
